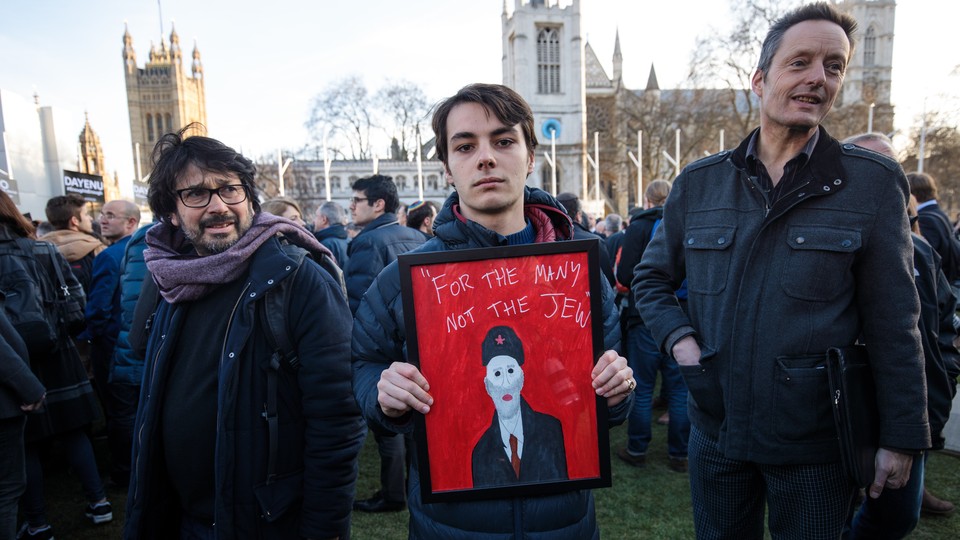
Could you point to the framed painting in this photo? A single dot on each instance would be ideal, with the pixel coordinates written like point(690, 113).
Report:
point(507, 338)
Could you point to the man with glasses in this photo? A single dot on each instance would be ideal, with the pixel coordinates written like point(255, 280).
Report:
point(373, 207)
point(238, 434)
point(118, 220)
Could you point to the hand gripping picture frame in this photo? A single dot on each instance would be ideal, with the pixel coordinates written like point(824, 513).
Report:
point(507, 338)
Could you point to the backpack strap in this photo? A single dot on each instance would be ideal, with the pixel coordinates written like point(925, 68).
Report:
point(271, 314)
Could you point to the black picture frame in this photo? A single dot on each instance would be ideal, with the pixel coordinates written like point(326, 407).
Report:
point(549, 298)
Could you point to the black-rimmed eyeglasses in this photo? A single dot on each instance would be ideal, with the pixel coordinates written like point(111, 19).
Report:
point(199, 197)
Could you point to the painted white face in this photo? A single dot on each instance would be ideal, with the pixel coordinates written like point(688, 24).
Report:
point(504, 381)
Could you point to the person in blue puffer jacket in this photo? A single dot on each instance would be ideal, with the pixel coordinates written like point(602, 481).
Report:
point(126, 366)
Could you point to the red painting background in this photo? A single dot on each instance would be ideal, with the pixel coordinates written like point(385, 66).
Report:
point(558, 354)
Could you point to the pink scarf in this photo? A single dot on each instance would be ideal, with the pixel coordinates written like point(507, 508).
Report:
point(183, 276)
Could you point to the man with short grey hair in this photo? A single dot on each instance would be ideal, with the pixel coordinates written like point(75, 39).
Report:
point(118, 220)
point(328, 227)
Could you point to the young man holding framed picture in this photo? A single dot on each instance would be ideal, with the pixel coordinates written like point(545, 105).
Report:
point(486, 141)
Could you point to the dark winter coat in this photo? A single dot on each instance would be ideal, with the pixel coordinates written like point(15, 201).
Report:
point(937, 230)
point(127, 365)
point(380, 339)
point(772, 288)
point(18, 385)
point(635, 241)
point(937, 306)
point(320, 428)
point(377, 245)
point(334, 238)
point(70, 403)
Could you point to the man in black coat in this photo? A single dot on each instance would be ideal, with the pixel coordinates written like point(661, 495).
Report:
point(373, 206)
point(935, 226)
point(521, 445)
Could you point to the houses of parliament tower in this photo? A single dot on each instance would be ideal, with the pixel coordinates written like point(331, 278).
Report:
point(162, 96)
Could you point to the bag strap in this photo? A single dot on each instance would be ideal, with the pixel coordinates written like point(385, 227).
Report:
point(56, 267)
point(30, 249)
point(271, 313)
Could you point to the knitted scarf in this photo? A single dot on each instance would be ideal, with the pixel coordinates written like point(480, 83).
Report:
point(184, 276)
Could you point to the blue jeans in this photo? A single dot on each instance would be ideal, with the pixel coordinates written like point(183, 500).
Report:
point(895, 513)
point(80, 456)
point(646, 360)
point(13, 475)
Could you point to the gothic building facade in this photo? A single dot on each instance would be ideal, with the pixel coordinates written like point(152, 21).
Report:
point(162, 96)
point(598, 122)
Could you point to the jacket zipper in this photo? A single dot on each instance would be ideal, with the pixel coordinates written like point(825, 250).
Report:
point(223, 350)
point(153, 380)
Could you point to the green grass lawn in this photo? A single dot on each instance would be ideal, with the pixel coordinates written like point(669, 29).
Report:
point(652, 502)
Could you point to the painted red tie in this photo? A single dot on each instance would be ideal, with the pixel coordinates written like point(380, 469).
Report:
point(514, 458)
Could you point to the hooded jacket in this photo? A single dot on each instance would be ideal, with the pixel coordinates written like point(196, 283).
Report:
point(380, 339)
point(772, 288)
point(79, 248)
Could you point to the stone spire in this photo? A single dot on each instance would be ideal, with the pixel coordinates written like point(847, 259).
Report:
point(617, 59)
point(129, 55)
point(174, 44)
point(652, 83)
point(197, 66)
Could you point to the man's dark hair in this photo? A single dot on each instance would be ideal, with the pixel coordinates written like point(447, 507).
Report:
point(419, 211)
point(175, 152)
point(377, 187)
point(61, 208)
point(922, 186)
point(570, 203)
point(503, 102)
point(820, 11)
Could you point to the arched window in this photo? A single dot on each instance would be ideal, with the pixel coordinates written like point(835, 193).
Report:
point(548, 61)
point(169, 123)
point(870, 48)
point(149, 127)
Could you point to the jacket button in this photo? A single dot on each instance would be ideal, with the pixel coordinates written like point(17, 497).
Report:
point(801, 239)
point(253, 294)
point(721, 240)
point(287, 269)
point(231, 355)
point(826, 188)
point(837, 182)
point(846, 243)
point(689, 241)
point(269, 282)
point(801, 195)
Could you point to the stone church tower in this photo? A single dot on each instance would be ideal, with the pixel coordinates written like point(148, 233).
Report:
point(92, 162)
point(870, 71)
point(161, 97)
point(543, 60)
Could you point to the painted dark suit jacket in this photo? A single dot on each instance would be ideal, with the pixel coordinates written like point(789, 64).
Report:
point(544, 458)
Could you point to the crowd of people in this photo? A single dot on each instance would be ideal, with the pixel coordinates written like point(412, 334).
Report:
point(239, 355)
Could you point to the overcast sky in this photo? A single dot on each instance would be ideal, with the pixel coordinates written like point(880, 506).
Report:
point(264, 60)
